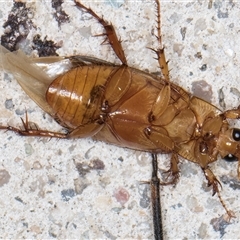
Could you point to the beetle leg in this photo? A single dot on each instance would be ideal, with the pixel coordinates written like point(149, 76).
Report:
point(159, 137)
point(86, 130)
point(34, 132)
point(161, 103)
point(173, 172)
point(214, 182)
point(111, 35)
point(163, 63)
point(30, 130)
point(232, 114)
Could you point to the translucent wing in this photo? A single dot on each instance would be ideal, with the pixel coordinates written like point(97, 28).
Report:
point(34, 74)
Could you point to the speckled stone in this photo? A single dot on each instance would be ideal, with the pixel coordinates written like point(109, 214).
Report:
point(69, 189)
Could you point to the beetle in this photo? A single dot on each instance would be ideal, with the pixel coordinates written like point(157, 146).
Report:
point(152, 116)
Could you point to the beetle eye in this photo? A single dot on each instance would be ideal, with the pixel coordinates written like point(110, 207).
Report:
point(236, 134)
point(230, 158)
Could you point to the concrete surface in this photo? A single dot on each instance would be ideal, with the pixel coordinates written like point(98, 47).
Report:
point(44, 196)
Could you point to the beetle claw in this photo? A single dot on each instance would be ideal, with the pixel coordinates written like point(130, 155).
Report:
point(172, 176)
point(230, 215)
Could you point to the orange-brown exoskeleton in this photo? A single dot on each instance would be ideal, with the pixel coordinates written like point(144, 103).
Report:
point(127, 107)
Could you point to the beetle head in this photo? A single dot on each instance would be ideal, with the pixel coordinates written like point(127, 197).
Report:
point(229, 146)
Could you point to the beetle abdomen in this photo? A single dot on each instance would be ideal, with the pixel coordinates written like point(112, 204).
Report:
point(76, 96)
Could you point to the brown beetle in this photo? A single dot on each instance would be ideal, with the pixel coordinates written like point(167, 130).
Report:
point(169, 120)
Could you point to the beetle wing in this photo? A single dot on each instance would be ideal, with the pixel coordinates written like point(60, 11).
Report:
point(34, 74)
point(81, 60)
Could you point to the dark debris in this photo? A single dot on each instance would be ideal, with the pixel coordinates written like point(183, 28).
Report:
point(59, 15)
point(198, 55)
point(84, 168)
point(44, 47)
point(203, 67)
point(19, 199)
point(97, 164)
point(17, 26)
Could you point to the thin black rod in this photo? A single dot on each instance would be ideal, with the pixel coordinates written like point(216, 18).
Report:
point(155, 198)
